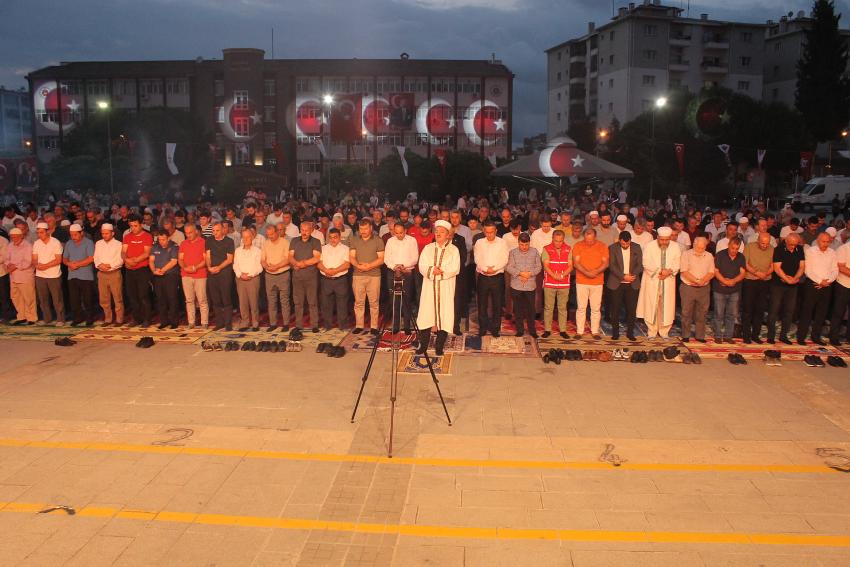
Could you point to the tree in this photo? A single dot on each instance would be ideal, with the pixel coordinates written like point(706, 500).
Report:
point(823, 92)
point(583, 132)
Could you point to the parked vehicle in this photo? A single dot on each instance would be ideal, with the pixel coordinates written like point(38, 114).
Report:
point(819, 192)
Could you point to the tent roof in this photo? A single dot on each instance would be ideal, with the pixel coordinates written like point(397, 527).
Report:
point(561, 158)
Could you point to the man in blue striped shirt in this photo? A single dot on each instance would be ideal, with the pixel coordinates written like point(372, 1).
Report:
point(523, 266)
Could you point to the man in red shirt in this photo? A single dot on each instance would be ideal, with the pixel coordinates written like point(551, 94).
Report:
point(193, 273)
point(135, 249)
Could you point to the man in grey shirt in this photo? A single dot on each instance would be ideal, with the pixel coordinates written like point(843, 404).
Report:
point(523, 266)
point(304, 253)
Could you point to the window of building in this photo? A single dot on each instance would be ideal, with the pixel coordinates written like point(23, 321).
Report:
point(610, 107)
point(269, 139)
point(268, 87)
point(650, 54)
point(241, 125)
point(610, 83)
point(777, 47)
point(269, 114)
point(775, 94)
point(746, 37)
point(745, 61)
point(240, 100)
point(97, 88)
point(558, 117)
point(610, 59)
point(558, 96)
point(559, 76)
point(307, 140)
point(612, 35)
point(48, 142)
point(650, 30)
point(648, 80)
point(709, 84)
point(675, 83)
point(177, 86)
point(241, 154)
point(219, 114)
point(559, 56)
point(271, 161)
point(123, 87)
point(218, 87)
point(71, 88)
point(743, 85)
point(776, 70)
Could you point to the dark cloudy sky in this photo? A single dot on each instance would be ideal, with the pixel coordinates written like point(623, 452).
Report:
point(36, 33)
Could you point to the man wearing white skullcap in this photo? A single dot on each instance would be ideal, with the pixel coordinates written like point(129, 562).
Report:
point(439, 265)
point(21, 277)
point(79, 257)
point(657, 299)
point(47, 258)
point(108, 262)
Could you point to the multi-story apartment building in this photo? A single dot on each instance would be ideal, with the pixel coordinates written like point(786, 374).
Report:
point(617, 70)
point(15, 123)
point(294, 117)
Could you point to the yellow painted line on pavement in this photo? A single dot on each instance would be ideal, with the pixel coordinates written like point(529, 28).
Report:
point(422, 461)
point(488, 533)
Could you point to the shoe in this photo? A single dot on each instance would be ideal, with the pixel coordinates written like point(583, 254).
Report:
point(818, 341)
point(175, 326)
point(162, 326)
point(732, 358)
point(577, 337)
point(741, 359)
point(293, 347)
point(606, 356)
point(496, 334)
point(835, 343)
point(407, 330)
point(771, 341)
point(64, 341)
point(322, 347)
point(284, 328)
point(801, 342)
point(758, 341)
point(597, 337)
point(747, 341)
point(685, 339)
point(545, 359)
point(315, 330)
point(245, 346)
point(456, 331)
point(357, 330)
point(631, 337)
point(243, 329)
point(519, 334)
point(296, 334)
point(837, 362)
point(533, 335)
point(440, 343)
point(207, 347)
point(423, 340)
point(255, 329)
point(271, 328)
point(695, 358)
point(564, 335)
point(787, 341)
point(546, 335)
point(686, 358)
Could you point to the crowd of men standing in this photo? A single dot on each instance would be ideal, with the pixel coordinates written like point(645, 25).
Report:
point(124, 268)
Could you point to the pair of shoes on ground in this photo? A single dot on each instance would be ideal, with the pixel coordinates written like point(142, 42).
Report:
point(622, 355)
point(64, 341)
point(836, 361)
point(557, 355)
point(296, 334)
point(735, 358)
point(813, 361)
point(598, 355)
point(145, 342)
point(691, 358)
point(330, 350)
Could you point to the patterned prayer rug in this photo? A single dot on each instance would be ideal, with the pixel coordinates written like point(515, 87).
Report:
point(711, 349)
point(364, 342)
point(133, 334)
point(412, 363)
point(36, 333)
point(510, 346)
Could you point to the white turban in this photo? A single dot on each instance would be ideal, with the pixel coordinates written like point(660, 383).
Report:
point(665, 232)
point(442, 223)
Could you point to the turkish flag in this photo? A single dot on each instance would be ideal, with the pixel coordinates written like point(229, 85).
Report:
point(402, 110)
point(7, 175)
point(441, 158)
point(346, 118)
point(680, 158)
point(806, 159)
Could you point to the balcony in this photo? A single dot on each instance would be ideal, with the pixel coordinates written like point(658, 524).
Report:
point(712, 41)
point(680, 39)
point(714, 67)
point(679, 65)
point(579, 80)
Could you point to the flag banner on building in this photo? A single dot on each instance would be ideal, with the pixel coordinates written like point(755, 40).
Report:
point(806, 164)
point(26, 178)
point(401, 110)
point(844, 153)
point(321, 145)
point(403, 160)
point(346, 118)
point(491, 157)
point(242, 153)
point(169, 157)
point(760, 156)
point(441, 156)
point(725, 149)
point(680, 158)
point(7, 175)
point(279, 154)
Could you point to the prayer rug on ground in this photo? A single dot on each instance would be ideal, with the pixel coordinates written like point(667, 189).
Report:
point(309, 342)
point(511, 346)
point(711, 349)
point(36, 332)
point(412, 363)
point(364, 342)
point(133, 334)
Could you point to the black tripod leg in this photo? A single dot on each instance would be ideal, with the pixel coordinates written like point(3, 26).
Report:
point(434, 378)
point(368, 369)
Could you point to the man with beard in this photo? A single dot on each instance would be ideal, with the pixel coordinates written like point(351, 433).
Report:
point(439, 264)
point(657, 298)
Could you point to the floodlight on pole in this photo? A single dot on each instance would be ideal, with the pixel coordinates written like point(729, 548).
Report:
point(661, 102)
point(328, 99)
point(102, 104)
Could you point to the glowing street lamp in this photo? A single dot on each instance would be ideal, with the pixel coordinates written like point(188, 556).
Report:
point(661, 102)
point(103, 105)
point(328, 99)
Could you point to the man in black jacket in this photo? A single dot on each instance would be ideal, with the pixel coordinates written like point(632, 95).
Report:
point(623, 282)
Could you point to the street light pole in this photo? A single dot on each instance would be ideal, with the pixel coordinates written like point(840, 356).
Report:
point(328, 99)
point(103, 105)
point(660, 102)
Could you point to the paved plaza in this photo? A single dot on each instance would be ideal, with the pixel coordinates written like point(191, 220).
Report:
point(115, 455)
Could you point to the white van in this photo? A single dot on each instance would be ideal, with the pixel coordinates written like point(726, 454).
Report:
point(820, 191)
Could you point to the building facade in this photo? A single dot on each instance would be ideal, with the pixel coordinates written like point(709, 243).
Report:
point(15, 123)
point(294, 117)
point(617, 71)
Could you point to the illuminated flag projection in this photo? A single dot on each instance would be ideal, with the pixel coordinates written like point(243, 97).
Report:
point(346, 121)
point(46, 101)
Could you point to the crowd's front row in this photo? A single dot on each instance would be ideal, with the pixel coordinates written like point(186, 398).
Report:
point(517, 271)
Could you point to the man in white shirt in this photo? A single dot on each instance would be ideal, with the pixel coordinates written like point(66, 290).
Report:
point(47, 258)
point(333, 267)
point(731, 232)
point(290, 230)
point(821, 271)
point(401, 256)
point(108, 262)
point(841, 292)
point(247, 267)
point(793, 226)
point(744, 229)
point(640, 235)
point(716, 229)
point(491, 257)
point(761, 228)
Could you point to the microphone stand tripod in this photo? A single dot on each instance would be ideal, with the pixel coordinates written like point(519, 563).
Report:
point(395, 344)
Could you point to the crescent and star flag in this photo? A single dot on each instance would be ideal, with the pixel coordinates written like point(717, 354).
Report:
point(441, 159)
point(321, 145)
point(346, 118)
point(806, 164)
point(725, 149)
point(403, 160)
point(491, 157)
point(680, 158)
point(760, 156)
point(7, 175)
point(169, 157)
